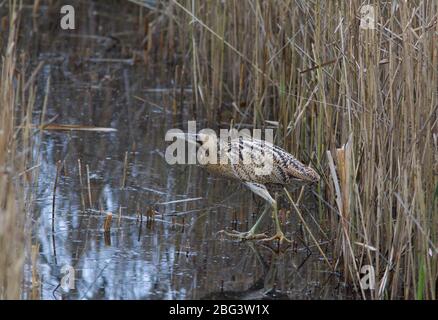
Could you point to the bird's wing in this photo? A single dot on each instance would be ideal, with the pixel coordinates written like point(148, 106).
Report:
point(260, 190)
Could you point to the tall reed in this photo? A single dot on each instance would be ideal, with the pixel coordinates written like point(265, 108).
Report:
point(358, 103)
point(16, 104)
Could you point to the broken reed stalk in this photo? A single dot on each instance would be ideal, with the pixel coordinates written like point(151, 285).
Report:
point(90, 202)
point(64, 167)
point(36, 283)
point(80, 173)
point(140, 226)
point(342, 201)
point(58, 171)
point(108, 222)
point(107, 228)
point(125, 170)
point(120, 216)
point(81, 184)
point(149, 214)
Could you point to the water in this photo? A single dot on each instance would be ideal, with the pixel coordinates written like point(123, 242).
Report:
point(178, 254)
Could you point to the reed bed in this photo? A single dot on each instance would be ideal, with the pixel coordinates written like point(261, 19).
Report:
point(359, 104)
point(17, 97)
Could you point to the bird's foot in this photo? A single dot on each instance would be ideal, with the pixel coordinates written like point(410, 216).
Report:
point(278, 236)
point(243, 236)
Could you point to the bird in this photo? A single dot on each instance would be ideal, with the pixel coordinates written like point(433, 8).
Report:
point(259, 165)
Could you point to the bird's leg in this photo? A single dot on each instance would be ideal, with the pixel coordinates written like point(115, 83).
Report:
point(279, 235)
point(251, 234)
point(259, 220)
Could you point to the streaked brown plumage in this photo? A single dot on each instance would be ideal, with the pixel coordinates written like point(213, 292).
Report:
point(259, 165)
point(286, 169)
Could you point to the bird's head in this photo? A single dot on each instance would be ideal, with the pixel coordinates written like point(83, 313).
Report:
point(311, 175)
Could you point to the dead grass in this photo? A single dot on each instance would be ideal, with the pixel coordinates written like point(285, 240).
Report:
point(15, 125)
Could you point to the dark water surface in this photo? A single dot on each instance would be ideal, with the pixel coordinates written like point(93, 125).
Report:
point(177, 254)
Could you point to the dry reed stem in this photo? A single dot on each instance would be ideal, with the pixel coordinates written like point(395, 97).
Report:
point(90, 201)
point(108, 222)
point(15, 159)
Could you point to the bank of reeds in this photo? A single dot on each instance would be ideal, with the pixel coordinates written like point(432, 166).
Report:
point(358, 103)
point(16, 101)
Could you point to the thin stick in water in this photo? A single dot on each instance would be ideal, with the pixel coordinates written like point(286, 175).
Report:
point(58, 167)
point(125, 169)
point(108, 222)
point(89, 188)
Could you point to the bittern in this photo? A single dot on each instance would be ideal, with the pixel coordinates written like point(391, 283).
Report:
point(259, 165)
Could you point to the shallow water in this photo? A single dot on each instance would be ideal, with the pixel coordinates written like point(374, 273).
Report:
point(177, 254)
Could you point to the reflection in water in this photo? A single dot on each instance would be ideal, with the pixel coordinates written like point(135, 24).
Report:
point(164, 241)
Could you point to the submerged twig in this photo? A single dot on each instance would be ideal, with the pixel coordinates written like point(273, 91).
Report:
point(125, 169)
point(58, 168)
point(89, 187)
